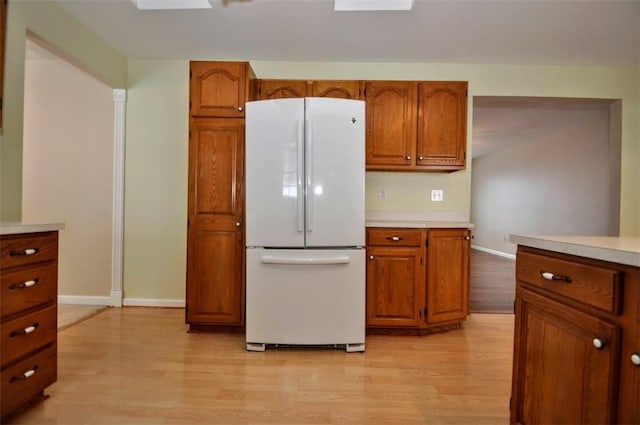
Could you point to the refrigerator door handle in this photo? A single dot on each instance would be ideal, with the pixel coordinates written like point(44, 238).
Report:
point(300, 177)
point(309, 173)
point(305, 261)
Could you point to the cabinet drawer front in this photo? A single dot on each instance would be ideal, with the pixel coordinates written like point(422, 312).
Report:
point(395, 237)
point(18, 250)
point(595, 286)
point(26, 288)
point(23, 381)
point(27, 333)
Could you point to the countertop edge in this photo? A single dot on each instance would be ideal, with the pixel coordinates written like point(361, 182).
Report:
point(588, 247)
point(18, 228)
point(419, 224)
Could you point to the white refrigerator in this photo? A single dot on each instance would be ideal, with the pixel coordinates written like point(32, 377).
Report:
point(305, 258)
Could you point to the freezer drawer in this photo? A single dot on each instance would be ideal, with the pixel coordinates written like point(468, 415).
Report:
point(305, 297)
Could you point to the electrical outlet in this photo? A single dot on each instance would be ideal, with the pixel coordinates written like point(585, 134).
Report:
point(437, 195)
point(382, 194)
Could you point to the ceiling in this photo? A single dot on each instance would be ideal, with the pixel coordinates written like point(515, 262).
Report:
point(542, 32)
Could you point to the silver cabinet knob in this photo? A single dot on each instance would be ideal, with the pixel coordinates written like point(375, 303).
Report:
point(420, 158)
point(466, 238)
point(371, 257)
point(598, 343)
point(408, 157)
point(635, 359)
point(237, 224)
point(240, 108)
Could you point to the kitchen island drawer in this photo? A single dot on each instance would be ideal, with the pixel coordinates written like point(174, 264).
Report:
point(18, 250)
point(592, 285)
point(27, 379)
point(27, 333)
point(395, 237)
point(25, 288)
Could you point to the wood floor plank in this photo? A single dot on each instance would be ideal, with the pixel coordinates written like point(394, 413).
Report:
point(140, 366)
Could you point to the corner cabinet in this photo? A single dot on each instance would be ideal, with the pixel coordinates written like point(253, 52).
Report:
point(215, 237)
point(577, 343)
point(416, 126)
point(416, 278)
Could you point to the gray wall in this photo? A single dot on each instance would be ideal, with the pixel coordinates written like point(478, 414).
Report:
point(559, 174)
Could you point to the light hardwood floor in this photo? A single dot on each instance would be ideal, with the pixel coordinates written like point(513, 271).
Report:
point(140, 366)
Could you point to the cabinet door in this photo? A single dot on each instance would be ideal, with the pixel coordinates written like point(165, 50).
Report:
point(629, 394)
point(560, 377)
point(215, 285)
point(215, 294)
point(395, 282)
point(339, 89)
point(218, 89)
point(442, 125)
point(281, 89)
point(447, 275)
point(391, 124)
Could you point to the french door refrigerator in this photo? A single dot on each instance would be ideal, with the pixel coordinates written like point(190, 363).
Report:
point(305, 258)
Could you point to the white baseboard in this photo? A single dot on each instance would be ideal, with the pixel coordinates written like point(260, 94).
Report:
point(494, 252)
point(116, 299)
point(83, 299)
point(152, 302)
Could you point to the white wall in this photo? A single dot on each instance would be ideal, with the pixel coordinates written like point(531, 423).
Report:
point(68, 170)
point(556, 182)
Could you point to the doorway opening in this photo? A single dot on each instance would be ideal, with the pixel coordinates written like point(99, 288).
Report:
point(539, 166)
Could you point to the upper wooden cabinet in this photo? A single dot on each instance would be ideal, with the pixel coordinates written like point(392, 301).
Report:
point(391, 124)
point(282, 89)
point(416, 126)
point(278, 89)
point(442, 125)
point(219, 89)
point(350, 89)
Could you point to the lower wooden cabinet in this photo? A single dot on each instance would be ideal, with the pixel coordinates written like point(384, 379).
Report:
point(28, 319)
point(576, 334)
point(417, 278)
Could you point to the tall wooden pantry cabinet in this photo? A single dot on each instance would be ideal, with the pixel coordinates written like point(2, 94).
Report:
point(218, 92)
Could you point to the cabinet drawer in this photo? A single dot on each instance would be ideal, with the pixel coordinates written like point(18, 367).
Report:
point(18, 250)
point(26, 288)
point(27, 333)
point(25, 380)
point(592, 285)
point(395, 237)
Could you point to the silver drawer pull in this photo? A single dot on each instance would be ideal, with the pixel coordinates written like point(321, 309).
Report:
point(598, 343)
point(555, 277)
point(25, 331)
point(28, 374)
point(23, 285)
point(395, 238)
point(28, 251)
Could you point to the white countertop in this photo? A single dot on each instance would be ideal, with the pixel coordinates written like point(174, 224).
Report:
point(622, 250)
point(417, 219)
point(14, 228)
